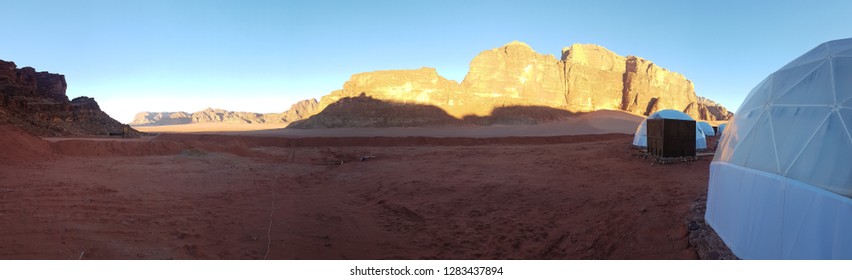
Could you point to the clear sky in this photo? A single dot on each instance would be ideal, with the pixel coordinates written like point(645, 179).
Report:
point(261, 56)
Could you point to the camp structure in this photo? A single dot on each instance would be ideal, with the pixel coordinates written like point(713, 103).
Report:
point(781, 179)
point(706, 128)
point(640, 139)
point(721, 129)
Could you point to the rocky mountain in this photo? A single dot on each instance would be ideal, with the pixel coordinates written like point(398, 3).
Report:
point(708, 109)
point(297, 111)
point(161, 118)
point(585, 78)
point(36, 102)
point(223, 116)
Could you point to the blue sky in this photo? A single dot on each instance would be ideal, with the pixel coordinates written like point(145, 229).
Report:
point(264, 55)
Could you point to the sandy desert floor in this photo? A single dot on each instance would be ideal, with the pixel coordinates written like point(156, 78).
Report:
point(598, 122)
point(241, 197)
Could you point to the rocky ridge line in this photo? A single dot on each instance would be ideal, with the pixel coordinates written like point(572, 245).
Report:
point(297, 111)
point(586, 78)
point(36, 102)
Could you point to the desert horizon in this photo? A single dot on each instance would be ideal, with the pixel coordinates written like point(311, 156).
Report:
point(334, 139)
point(354, 165)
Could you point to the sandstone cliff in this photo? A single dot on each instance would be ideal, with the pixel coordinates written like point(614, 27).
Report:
point(36, 102)
point(594, 78)
point(297, 111)
point(421, 86)
point(586, 78)
point(513, 75)
point(707, 109)
point(648, 88)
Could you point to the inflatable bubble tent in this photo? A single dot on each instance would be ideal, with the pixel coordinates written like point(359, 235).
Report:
point(706, 128)
point(721, 128)
point(781, 179)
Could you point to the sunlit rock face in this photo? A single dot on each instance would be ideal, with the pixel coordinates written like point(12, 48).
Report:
point(593, 77)
point(710, 110)
point(420, 86)
point(512, 75)
point(586, 78)
point(648, 86)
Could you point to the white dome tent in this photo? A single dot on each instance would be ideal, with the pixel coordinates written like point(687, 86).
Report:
point(706, 128)
point(721, 129)
point(640, 138)
point(781, 180)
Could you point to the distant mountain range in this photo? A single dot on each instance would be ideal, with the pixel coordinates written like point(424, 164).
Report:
point(298, 111)
point(511, 84)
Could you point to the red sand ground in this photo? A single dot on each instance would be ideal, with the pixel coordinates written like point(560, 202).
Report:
point(241, 197)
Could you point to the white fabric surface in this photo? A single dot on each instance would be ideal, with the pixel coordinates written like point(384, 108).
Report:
point(706, 128)
point(761, 215)
point(781, 179)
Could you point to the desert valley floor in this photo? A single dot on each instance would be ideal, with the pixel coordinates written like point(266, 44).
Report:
point(216, 196)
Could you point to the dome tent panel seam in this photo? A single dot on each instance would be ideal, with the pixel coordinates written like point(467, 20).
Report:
point(811, 138)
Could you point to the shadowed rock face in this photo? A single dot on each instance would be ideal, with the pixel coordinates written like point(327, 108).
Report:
point(366, 111)
point(586, 78)
point(36, 102)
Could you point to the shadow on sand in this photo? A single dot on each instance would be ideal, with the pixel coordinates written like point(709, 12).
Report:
point(366, 111)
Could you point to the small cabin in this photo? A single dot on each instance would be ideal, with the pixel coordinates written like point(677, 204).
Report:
point(670, 138)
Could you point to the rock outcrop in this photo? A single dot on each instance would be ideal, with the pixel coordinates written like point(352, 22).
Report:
point(648, 88)
point(594, 78)
point(223, 116)
point(36, 102)
point(297, 111)
point(365, 111)
point(586, 78)
point(707, 109)
point(161, 118)
point(513, 75)
point(421, 86)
